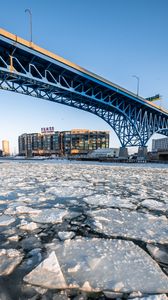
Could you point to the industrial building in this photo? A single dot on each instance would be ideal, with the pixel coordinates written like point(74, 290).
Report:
point(105, 153)
point(64, 143)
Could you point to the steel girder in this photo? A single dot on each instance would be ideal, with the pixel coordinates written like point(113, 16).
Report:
point(163, 131)
point(133, 122)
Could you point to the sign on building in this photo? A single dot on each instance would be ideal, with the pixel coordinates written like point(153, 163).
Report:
point(47, 129)
point(154, 98)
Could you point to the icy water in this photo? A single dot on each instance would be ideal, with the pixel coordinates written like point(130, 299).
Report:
point(83, 231)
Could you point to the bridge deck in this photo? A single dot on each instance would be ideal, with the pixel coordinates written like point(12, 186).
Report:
point(81, 70)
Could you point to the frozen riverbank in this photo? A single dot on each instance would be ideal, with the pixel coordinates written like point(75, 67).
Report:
point(78, 230)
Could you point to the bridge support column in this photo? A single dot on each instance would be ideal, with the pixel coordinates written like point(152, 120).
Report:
point(142, 153)
point(123, 153)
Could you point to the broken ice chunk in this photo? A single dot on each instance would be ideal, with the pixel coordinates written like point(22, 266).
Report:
point(47, 274)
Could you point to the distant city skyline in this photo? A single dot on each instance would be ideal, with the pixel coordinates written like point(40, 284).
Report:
point(115, 39)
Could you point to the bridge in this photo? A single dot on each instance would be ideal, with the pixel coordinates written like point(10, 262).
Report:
point(30, 70)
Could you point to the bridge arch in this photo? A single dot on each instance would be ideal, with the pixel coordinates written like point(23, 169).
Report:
point(122, 125)
point(30, 70)
point(163, 131)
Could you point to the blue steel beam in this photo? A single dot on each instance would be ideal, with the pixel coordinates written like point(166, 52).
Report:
point(28, 71)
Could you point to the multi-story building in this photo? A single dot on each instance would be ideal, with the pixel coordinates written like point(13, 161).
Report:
point(64, 143)
point(82, 141)
point(159, 150)
point(5, 148)
point(35, 144)
point(160, 144)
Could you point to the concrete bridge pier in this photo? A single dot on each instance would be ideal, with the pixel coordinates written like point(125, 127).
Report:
point(123, 153)
point(142, 153)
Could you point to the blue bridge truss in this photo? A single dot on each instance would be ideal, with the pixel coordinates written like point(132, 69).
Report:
point(30, 70)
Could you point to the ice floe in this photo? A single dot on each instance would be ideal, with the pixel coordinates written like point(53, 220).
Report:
point(108, 200)
point(153, 297)
point(151, 204)
point(65, 235)
point(48, 274)
point(98, 265)
point(50, 216)
point(130, 225)
point(6, 220)
point(21, 210)
point(29, 226)
point(9, 259)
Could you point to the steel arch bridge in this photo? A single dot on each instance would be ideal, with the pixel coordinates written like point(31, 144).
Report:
point(30, 70)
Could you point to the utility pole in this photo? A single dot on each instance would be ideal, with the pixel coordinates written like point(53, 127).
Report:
point(138, 79)
point(27, 10)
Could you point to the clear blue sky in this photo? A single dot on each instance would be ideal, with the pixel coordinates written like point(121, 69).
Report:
point(113, 38)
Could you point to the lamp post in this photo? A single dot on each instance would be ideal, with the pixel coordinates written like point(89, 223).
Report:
point(27, 10)
point(138, 79)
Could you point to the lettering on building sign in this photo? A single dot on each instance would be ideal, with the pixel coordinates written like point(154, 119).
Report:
point(47, 129)
point(154, 98)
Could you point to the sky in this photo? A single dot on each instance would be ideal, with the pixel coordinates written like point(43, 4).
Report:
point(112, 38)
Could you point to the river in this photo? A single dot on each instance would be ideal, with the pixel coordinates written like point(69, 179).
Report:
point(72, 230)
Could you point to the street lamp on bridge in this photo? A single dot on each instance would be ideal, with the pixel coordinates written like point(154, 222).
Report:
point(138, 79)
point(27, 10)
